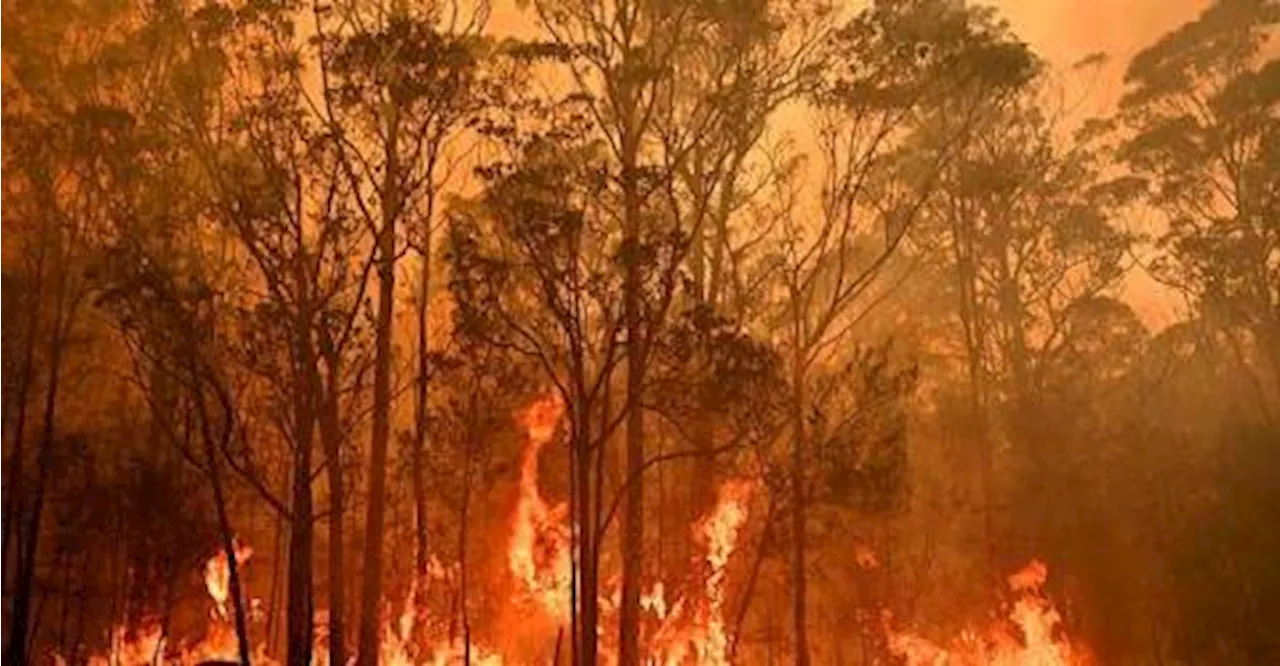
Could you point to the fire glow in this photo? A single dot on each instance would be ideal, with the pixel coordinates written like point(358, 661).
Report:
point(689, 631)
point(1030, 635)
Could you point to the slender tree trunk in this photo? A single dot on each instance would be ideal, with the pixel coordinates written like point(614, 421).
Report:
point(588, 597)
point(82, 607)
point(20, 612)
point(463, 528)
point(278, 545)
point(331, 439)
point(799, 508)
point(64, 608)
point(633, 514)
point(371, 587)
point(420, 422)
point(224, 519)
point(13, 485)
point(972, 322)
point(749, 590)
point(27, 560)
point(299, 622)
point(1029, 511)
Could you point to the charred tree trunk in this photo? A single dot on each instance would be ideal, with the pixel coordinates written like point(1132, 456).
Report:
point(464, 518)
point(278, 550)
point(753, 579)
point(974, 328)
point(299, 595)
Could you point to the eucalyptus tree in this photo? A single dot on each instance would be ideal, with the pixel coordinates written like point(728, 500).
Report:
point(899, 73)
point(679, 94)
point(72, 166)
point(1200, 110)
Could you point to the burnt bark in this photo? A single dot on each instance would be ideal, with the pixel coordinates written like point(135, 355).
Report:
point(464, 518)
point(298, 623)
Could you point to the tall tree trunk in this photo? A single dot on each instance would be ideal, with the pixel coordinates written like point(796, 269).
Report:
point(224, 518)
point(799, 515)
point(1022, 421)
point(29, 535)
point(749, 591)
point(13, 485)
point(420, 421)
point(331, 440)
point(464, 524)
point(371, 587)
point(300, 589)
point(298, 603)
point(278, 552)
point(972, 323)
point(587, 616)
point(633, 514)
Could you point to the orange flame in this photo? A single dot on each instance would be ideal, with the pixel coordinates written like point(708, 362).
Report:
point(141, 648)
point(217, 578)
point(1038, 640)
point(699, 636)
point(689, 631)
point(540, 555)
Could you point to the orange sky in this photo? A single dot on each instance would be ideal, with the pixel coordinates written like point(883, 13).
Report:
point(1064, 27)
point(1063, 31)
point(1066, 30)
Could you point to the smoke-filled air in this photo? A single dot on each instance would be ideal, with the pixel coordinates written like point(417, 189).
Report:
point(641, 333)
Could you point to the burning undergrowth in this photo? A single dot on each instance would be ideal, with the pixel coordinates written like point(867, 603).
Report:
point(690, 628)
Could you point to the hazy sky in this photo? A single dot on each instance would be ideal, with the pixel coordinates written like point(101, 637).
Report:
point(1064, 27)
point(1066, 30)
point(1063, 31)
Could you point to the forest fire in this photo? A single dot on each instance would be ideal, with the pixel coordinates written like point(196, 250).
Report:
point(694, 631)
point(691, 631)
point(640, 332)
point(217, 579)
point(539, 554)
point(1030, 635)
